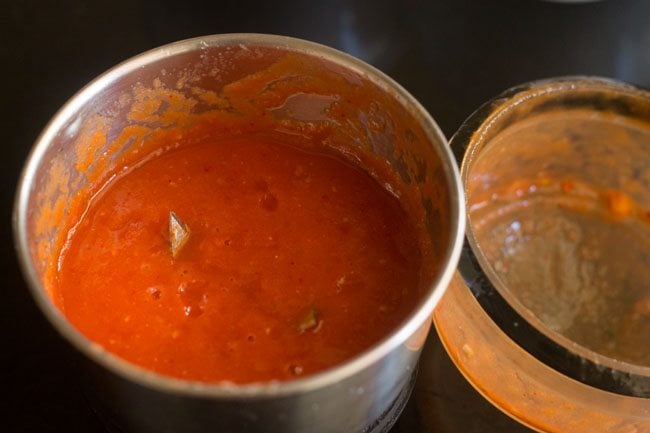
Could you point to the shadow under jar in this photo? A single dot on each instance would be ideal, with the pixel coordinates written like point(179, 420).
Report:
point(549, 317)
point(250, 84)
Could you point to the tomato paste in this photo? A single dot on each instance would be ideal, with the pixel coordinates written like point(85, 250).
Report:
point(294, 260)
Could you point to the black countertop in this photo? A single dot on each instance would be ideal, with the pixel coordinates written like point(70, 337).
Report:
point(452, 55)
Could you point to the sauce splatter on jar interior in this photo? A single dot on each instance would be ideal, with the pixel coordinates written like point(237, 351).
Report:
point(559, 205)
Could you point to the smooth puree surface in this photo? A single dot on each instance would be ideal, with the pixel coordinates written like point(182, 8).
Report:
point(296, 261)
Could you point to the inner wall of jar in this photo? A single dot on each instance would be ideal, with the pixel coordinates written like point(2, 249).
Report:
point(559, 207)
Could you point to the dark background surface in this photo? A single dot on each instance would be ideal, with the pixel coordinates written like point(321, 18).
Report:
point(452, 55)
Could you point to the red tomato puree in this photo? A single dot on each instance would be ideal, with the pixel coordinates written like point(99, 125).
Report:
point(295, 262)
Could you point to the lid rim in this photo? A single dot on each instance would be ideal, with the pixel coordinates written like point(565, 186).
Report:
point(548, 346)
